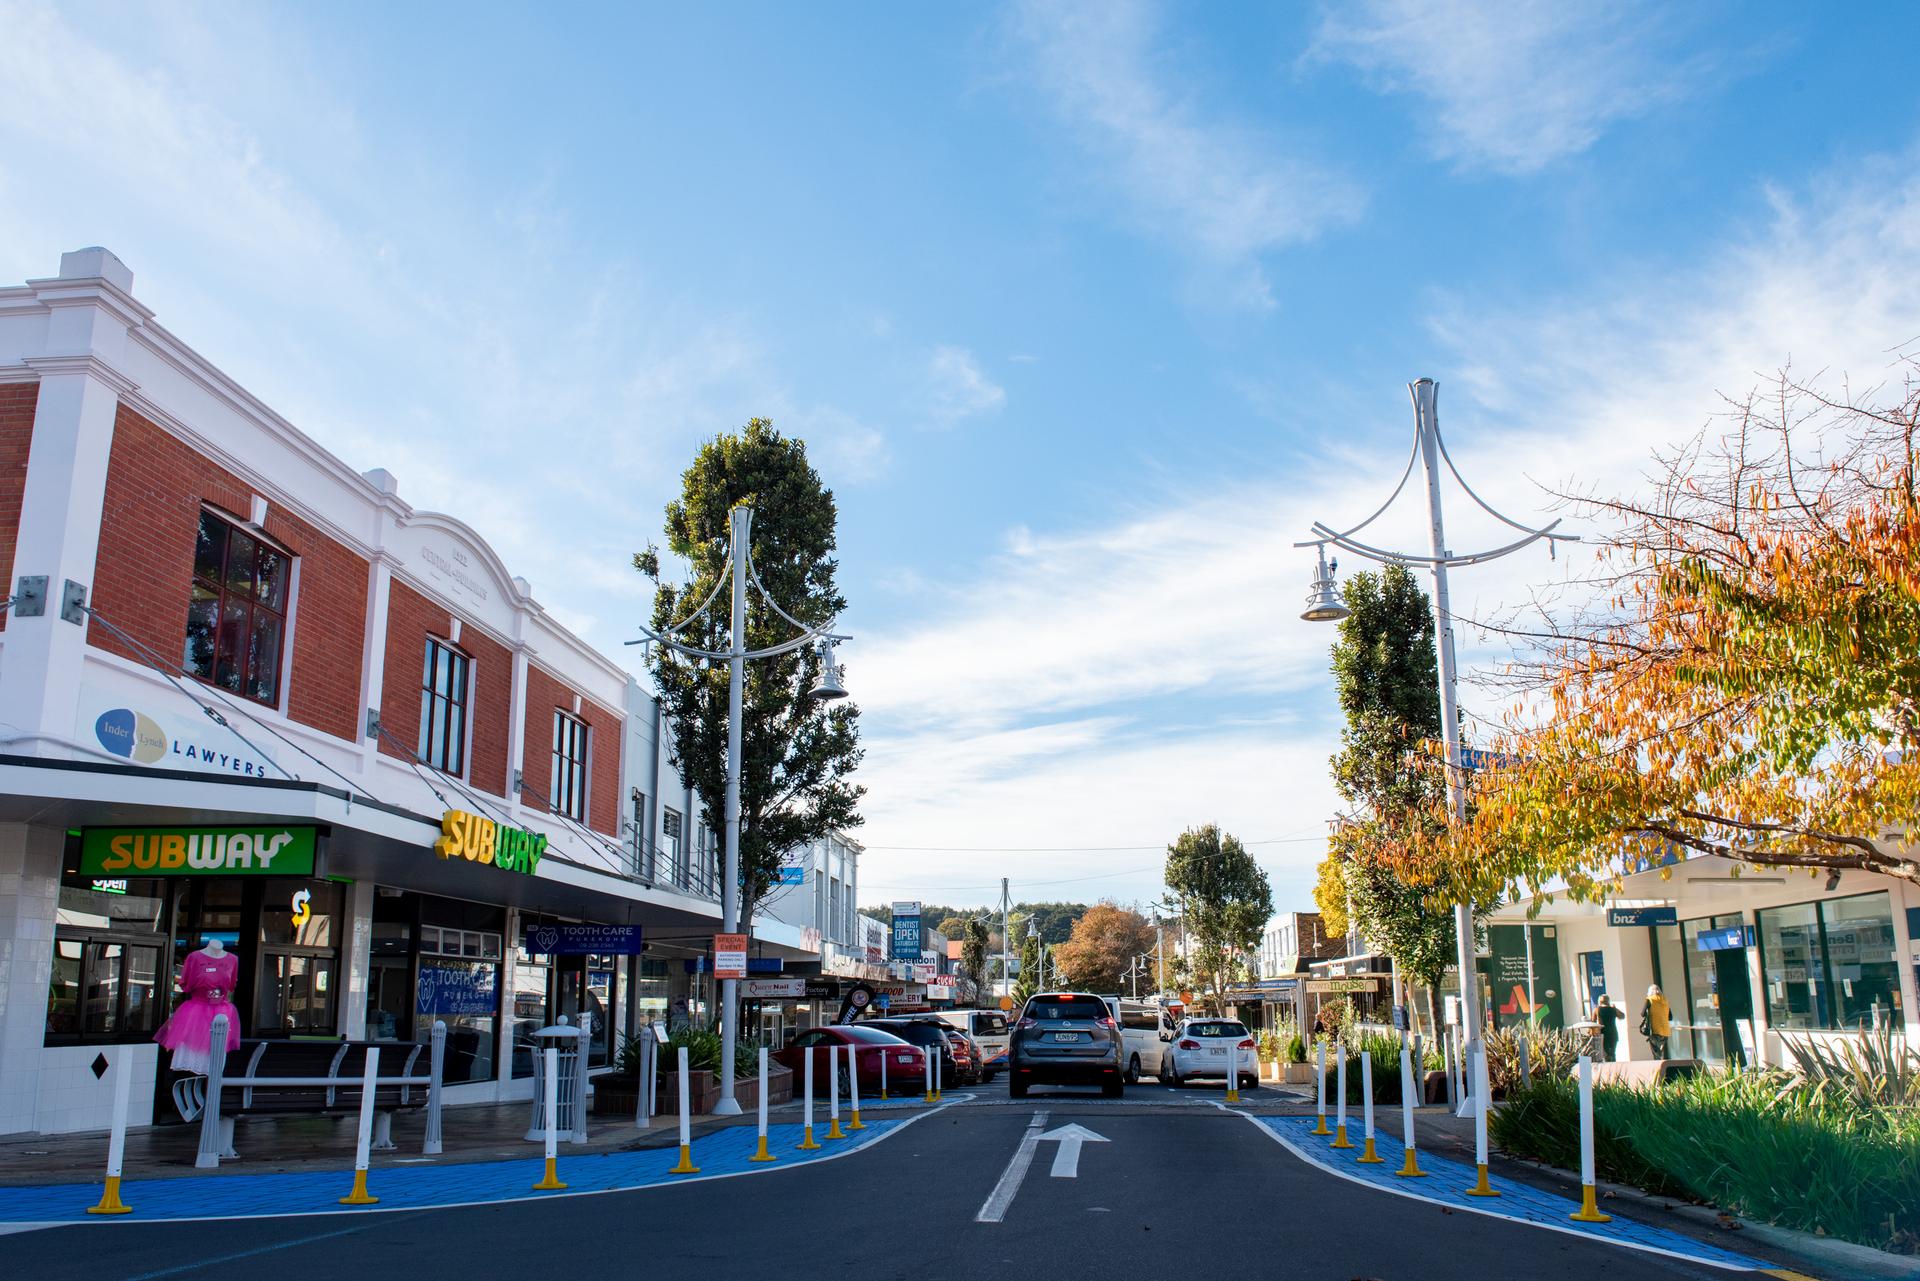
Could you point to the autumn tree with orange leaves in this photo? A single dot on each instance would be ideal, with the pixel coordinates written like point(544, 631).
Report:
point(1750, 683)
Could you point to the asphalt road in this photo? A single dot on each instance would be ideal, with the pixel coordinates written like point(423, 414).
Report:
point(1186, 1191)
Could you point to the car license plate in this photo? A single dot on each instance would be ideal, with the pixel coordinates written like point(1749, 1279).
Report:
point(1066, 1036)
point(1217, 1051)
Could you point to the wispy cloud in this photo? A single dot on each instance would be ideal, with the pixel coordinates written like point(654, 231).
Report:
point(1063, 668)
point(1517, 86)
point(956, 388)
point(1208, 182)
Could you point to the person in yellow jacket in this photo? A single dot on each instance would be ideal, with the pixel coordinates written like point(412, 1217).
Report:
point(1656, 1021)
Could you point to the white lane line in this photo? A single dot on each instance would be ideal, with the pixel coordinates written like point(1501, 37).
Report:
point(994, 1208)
point(1645, 1247)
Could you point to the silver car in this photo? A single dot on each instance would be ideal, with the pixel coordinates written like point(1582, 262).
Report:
point(1065, 1038)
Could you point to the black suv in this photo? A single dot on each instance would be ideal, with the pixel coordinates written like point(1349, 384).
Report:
point(1067, 1038)
point(928, 1033)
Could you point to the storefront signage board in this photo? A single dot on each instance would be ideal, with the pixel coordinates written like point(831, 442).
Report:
point(556, 939)
point(154, 735)
point(772, 989)
point(481, 840)
point(729, 956)
point(1725, 939)
point(458, 988)
point(906, 931)
point(1630, 916)
point(765, 965)
point(197, 851)
point(1342, 985)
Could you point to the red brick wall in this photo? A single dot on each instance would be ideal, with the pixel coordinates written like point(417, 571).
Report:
point(545, 696)
point(411, 618)
point(16, 437)
point(155, 485)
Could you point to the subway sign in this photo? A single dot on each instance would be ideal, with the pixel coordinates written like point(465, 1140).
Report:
point(481, 840)
point(110, 852)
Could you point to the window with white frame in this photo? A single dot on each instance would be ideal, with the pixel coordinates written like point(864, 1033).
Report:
point(569, 766)
point(443, 708)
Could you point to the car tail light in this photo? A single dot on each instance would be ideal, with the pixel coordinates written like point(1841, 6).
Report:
point(1105, 1020)
point(1189, 1045)
point(1027, 1023)
point(1246, 1044)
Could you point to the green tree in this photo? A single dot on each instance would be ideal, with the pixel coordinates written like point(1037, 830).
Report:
point(1225, 899)
point(1385, 670)
point(797, 753)
point(973, 954)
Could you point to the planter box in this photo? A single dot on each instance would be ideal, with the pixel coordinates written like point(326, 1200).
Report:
point(1299, 1074)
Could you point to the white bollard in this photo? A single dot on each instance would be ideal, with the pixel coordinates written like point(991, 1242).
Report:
point(686, 1165)
point(367, 1078)
point(550, 1181)
point(1478, 1064)
point(1589, 1211)
point(926, 1056)
point(1410, 1169)
point(806, 1133)
point(1340, 1114)
point(1320, 1091)
point(1367, 1156)
point(760, 1152)
point(853, 1087)
point(833, 1093)
point(883, 1071)
point(110, 1202)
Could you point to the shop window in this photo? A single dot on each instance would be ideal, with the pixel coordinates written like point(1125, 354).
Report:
point(237, 613)
point(529, 1007)
point(570, 766)
point(443, 708)
point(460, 986)
point(299, 957)
point(1831, 964)
point(109, 942)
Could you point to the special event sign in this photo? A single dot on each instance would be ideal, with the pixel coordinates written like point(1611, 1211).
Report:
point(197, 851)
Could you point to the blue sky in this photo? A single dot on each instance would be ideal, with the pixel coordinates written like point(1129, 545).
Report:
point(1085, 311)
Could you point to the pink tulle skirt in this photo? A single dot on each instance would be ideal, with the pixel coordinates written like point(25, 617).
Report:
point(190, 1029)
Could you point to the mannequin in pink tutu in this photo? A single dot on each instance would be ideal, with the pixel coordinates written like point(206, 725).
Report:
point(207, 979)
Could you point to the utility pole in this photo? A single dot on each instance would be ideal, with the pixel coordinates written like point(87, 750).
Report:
point(1006, 934)
point(1160, 951)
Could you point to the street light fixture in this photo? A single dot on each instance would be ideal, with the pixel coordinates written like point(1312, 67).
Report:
point(740, 570)
point(1324, 605)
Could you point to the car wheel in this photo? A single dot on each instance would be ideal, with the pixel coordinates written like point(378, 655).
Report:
point(1133, 1070)
point(1172, 1075)
point(1016, 1088)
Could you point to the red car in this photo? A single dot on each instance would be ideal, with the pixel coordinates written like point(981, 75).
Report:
point(905, 1068)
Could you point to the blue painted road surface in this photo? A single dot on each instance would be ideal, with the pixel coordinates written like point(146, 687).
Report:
point(414, 1187)
point(1447, 1181)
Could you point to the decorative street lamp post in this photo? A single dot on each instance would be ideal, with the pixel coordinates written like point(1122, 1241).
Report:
point(1324, 605)
point(826, 687)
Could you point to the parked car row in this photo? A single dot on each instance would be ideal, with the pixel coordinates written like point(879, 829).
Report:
point(1058, 1038)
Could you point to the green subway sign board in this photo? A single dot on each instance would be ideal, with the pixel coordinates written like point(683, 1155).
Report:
point(197, 851)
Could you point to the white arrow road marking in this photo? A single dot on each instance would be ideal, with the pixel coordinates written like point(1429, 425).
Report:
point(1066, 1160)
point(995, 1207)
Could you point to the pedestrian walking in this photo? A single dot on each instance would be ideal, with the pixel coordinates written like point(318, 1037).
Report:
point(1607, 1014)
point(1656, 1021)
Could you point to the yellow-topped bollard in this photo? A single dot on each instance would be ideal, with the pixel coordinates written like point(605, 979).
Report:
point(686, 1165)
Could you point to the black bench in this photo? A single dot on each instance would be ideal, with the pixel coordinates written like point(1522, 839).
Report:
point(313, 1078)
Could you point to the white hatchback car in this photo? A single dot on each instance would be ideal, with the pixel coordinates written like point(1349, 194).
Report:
point(1202, 1047)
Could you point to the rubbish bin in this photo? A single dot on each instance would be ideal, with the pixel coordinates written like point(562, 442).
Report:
point(570, 1096)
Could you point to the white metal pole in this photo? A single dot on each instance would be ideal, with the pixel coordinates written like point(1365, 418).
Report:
point(853, 1089)
point(1366, 1105)
point(368, 1079)
point(833, 1093)
point(1589, 1211)
point(883, 1071)
point(1426, 419)
point(1481, 1187)
point(742, 525)
point(1340, 1122)
point(110, 1202)
point(686, 1165)
point(806, 1134)
point(1411, 1168)
point(550, 1181)
point(760, 1152)
point(1320, 1089)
